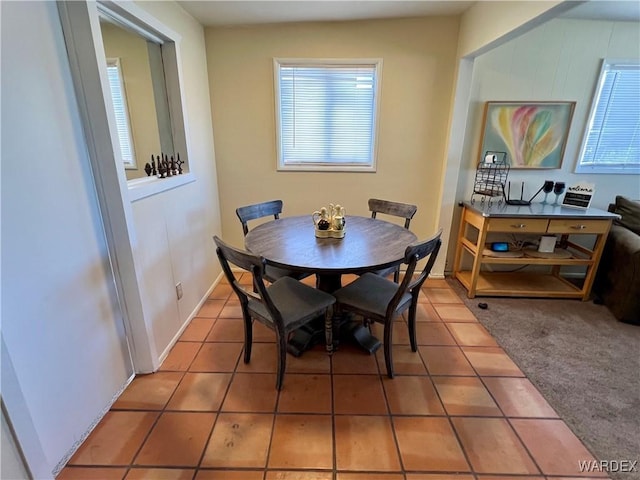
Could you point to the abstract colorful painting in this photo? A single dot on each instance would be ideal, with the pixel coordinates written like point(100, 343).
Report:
point(533, 134)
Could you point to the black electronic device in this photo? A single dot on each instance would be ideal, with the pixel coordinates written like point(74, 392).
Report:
point(500, 246)
point(517, 201)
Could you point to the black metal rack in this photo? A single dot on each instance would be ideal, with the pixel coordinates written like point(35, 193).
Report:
point(491, 176)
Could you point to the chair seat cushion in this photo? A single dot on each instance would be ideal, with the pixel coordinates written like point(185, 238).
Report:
point(371, 293)
point(385, 272)
point(272, 273)
point(295, 301)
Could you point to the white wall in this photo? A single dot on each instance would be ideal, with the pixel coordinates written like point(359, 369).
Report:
point(484, 26)
point(61, 325)
point(174, 229)
point(559, 61)
point(11, 467)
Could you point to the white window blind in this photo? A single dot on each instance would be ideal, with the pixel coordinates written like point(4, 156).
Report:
point(120, 108)
point(326, 114)
point(612, 137)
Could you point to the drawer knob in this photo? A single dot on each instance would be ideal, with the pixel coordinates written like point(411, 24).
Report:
point(519, 225)
point(579, 227)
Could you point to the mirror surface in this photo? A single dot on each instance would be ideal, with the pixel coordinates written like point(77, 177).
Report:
point(139, 95)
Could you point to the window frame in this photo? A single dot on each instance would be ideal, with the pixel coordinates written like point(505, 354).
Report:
point(595, 168)
point(114, 62)
point(320, 62)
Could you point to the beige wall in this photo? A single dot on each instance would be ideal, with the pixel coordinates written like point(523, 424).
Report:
point(131, 49)
point(486, 23)
point(417, 84)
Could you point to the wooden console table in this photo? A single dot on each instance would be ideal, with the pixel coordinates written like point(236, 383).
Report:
point(479, 220)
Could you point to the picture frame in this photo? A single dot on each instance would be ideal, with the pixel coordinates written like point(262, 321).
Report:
point(533, 134)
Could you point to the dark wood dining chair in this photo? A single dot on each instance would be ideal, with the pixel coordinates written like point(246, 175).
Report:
point(258, 210)
point(396, 209)
point(261, 210)
point(283, 306)
point(378, 299)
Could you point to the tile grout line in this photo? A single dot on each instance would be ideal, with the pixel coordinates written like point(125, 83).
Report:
point(448, 416)
point(482, 382)
point(453, 429)
point(334, 415)
point(159, 415)
point(206, 443)
point(393, 426)
point(275, 413)
point(334, 456)
point(196, 467)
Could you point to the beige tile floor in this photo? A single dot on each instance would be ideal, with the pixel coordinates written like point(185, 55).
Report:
point(458, 408)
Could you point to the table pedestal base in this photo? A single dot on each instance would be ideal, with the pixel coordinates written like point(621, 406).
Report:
point(359, 334)
point(313, 334)
point(329, 283)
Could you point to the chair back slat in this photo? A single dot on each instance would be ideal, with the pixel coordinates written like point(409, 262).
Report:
point(246, 261)
point(258, 210)
point(412, 255)
point(397, 209)
point(415, 253)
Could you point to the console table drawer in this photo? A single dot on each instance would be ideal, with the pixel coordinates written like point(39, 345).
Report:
point(514, 225)
point(578, 226)
point(550, 278)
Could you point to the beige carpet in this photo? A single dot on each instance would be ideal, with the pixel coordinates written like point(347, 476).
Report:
point(584, 362)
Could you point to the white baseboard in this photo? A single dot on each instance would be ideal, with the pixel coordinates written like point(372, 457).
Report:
point(65, 459)
point(193, 313)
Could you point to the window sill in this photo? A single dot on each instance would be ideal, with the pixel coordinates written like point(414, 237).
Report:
point(148, 186)
point(607, 170)
point(327, 168)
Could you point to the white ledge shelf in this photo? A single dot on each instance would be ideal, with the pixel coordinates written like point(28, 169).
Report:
point(148, 186)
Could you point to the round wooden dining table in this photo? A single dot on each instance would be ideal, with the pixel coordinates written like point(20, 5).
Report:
point(369, 244)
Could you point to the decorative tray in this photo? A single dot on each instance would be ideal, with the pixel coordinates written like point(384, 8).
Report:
point(330, 233)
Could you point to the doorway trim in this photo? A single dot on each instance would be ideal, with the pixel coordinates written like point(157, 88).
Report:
point(80, 25)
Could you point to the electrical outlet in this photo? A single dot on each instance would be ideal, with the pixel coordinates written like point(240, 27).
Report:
point(179, 290)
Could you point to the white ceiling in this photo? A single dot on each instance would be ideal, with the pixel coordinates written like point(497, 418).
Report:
point(247, 12)
point(621, 10)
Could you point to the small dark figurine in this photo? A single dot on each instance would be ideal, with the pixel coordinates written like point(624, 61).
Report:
point(147, 168)
point(179, 163)
point(166, 166)
point(162, 169)
point(153, 166)
point(174, 167)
